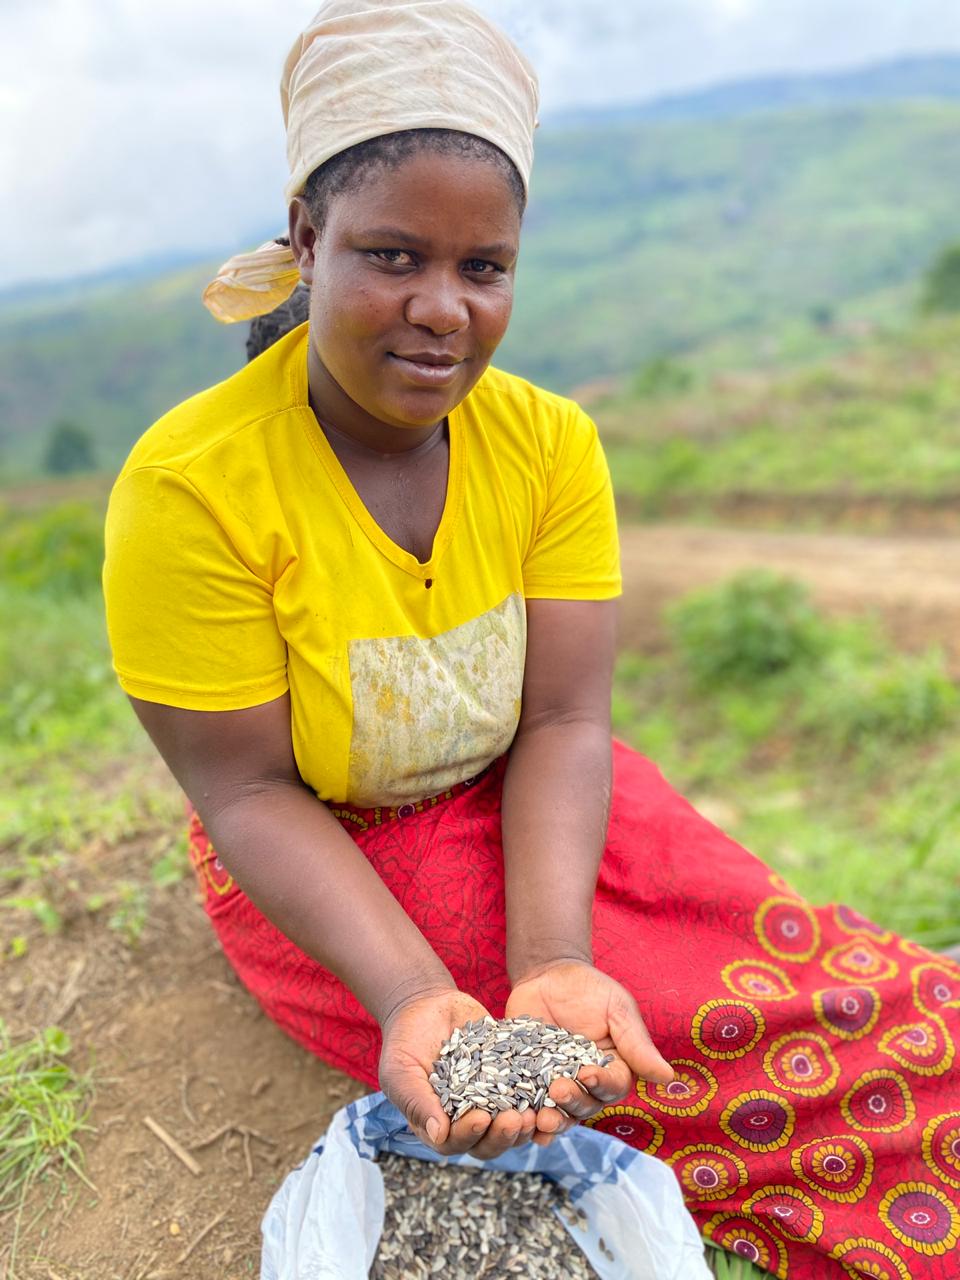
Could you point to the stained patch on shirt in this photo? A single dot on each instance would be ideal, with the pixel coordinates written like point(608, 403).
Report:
point(428, 713)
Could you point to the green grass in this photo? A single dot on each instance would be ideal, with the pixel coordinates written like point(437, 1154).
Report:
point(837, 768)
point(43, 1109)
point(81, 775)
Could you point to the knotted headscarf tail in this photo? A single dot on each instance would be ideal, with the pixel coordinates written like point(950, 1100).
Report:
point(364, 68)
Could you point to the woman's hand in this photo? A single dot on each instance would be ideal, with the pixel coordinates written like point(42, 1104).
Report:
point(413, 1035)
point(574, 995)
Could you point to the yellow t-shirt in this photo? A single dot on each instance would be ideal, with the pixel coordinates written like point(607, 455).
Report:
point(240, 562)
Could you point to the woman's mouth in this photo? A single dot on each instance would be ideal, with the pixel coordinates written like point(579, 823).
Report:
point(427, 370)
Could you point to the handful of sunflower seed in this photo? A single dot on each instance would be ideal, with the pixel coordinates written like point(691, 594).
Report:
point(500, 1065)
point(447, 1220)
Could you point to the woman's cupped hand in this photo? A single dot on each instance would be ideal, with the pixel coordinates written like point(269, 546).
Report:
point(570, 994)
point(413, 1035)
point(576, 996)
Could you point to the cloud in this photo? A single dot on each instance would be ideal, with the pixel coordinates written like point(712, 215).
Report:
point(129, 129)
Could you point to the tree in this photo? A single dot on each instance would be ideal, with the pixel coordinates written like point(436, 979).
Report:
point(941, 284)
point(69, 448)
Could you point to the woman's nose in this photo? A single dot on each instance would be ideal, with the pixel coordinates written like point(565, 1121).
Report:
point(438, 303)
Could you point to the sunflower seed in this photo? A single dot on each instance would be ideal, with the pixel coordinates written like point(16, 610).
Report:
point(487, 1061)
point(445, 1220)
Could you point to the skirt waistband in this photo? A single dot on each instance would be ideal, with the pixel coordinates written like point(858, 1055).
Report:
point(359, 819)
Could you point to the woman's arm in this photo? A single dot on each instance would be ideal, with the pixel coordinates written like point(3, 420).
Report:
point(556, 797)
point(296, 863)
point(289, 854)
point(556, 793)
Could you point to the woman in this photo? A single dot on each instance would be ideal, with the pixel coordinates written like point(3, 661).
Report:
point(362, 597)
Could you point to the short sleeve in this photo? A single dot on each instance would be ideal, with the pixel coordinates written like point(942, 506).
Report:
point(190, 624)
point(576, 553)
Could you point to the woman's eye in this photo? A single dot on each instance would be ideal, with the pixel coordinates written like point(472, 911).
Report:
point(394, 257)
point(481, 267)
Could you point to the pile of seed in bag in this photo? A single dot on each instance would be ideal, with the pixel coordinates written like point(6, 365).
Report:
point(451, 1221)
point(501, 1065)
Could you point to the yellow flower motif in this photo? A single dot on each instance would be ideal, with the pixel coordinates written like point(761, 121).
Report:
point(787, 928)
point(688, 1094)
point(858, 959)
point(708, 1172)
point(803, 1064)
point(879, 1102)
point(849, 1013)
point(758, 980)
point(725, 1029)
point(924, 1047)
point(935, 987)
point(788, 1210)
point(851, 921)
point(734, 1232)
point(625, 1122)
point(839, 1168)
point(758, 1121)
point(922, 1217)
point(941, 1147)
point(884, 1265)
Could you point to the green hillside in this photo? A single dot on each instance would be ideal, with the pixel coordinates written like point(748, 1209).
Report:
point(872, 436)
point(643, 238)
point(658, 238)
point(934, 76)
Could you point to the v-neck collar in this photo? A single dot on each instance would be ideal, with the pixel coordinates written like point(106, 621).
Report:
point(456, 471)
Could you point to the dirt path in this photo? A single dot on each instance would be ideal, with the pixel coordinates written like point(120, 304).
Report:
point(913, 583)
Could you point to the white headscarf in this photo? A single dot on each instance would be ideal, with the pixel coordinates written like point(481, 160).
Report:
point(364, 68)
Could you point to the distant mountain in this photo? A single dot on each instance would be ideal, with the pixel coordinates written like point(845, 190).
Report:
point(908, 79)
point(642, 238)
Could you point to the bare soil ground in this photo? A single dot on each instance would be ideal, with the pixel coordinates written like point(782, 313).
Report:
point(172, 1037)
point(909, 581)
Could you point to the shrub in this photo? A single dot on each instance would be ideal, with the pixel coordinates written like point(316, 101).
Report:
point(661, 377)
point(58, 551)
point(69, 449)
point(941, 284)
point(857, 705)
point(755, 625)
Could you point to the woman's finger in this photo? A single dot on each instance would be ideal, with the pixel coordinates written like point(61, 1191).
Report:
point(502, 1135)
point(550, 1120)
point(607, 1084)
point(466, 1133)
point(421, 1108)
point(632, 1042)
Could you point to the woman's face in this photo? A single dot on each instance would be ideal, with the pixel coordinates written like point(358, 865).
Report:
point(411, 287)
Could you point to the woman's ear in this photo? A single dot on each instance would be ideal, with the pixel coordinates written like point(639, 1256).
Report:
point(303, 238)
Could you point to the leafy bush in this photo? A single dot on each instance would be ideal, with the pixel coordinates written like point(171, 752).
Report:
point(941, 284)
point(756, 625)
point(57, 552)
point(902, 699)
point(70, 448)
point(661, 377)
point(61, 695)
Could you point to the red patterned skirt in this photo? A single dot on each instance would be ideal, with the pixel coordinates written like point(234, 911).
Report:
point(814, 1124)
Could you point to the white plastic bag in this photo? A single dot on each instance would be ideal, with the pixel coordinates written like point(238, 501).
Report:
point(325, 1220)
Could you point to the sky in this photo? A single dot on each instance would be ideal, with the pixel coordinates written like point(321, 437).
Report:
point(132, 130)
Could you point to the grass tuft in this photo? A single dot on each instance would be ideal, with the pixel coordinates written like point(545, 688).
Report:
point(43, 1107)
point(729, 1266)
